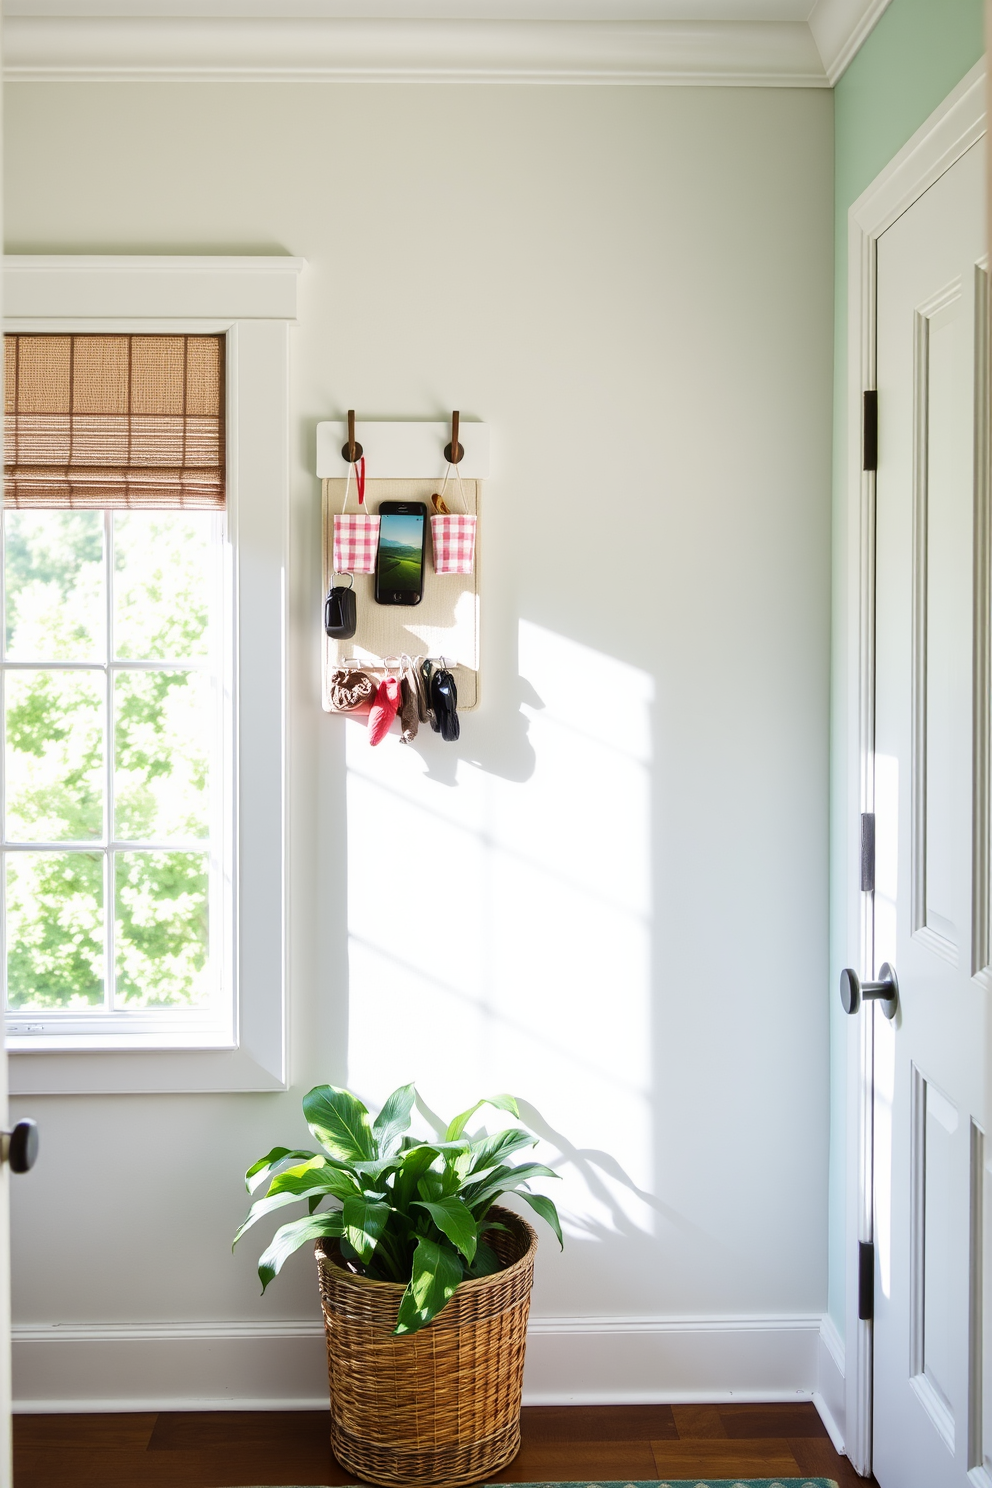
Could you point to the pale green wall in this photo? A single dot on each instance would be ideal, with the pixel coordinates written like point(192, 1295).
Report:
point(917, 53)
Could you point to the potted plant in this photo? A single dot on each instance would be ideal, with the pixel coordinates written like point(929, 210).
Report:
point(424, 1281)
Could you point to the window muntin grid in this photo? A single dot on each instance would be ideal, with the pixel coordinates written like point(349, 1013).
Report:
point(166, 666)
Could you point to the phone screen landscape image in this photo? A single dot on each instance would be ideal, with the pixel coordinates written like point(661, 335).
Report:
point(400, 564)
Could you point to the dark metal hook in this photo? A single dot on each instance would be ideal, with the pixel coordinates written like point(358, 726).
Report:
point(454, 451)
point(351, 451)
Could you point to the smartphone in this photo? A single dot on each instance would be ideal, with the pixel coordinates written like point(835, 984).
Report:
point(399, 565)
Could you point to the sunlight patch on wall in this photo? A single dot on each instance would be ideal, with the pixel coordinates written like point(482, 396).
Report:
point(500, 934)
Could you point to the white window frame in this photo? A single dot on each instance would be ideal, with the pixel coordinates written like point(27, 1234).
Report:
point(252, 301)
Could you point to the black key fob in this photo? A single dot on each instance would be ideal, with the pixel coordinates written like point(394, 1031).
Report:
point(340, 613)
point(444, 705)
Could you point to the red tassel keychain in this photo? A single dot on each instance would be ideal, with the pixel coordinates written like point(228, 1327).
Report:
point(384, 709)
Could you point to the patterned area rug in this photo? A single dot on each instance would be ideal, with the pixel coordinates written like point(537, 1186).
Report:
point(693, 1483)
point(677, 1483)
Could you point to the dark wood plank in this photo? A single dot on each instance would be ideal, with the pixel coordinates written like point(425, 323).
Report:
point(202, 1430)
point(236, 1449)
point(215, 1468)
point(788, 1419)
point(699, 1422)
point(818, 1459)
point(36, 1468)
point(725, 1459)
point(133, 1430)
point(549, 1462)
point(604, 1423)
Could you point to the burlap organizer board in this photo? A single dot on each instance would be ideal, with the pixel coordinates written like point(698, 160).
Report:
point(446, 621)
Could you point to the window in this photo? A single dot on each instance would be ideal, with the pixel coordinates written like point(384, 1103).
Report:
point(114, 817)
point(116, 771)
point(143, 670)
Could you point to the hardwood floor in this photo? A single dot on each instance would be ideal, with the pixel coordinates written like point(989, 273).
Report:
point(222, 1449)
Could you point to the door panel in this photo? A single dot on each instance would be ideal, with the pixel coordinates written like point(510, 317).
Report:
point(931, 827)
point(944, 393)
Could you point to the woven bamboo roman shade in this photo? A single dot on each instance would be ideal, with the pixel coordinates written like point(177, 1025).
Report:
point(132, 421)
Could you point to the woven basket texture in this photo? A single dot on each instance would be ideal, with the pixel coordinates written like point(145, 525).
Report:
point(441, 1406)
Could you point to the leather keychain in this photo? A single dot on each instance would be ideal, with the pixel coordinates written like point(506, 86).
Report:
point(351, 687)
point(341, 611)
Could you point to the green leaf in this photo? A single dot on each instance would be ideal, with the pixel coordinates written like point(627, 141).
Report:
point(487, 1152)
point(316, 1176)
point(415, 1161)
point(504, 1180)
point(486, 1262)
point(500, 1102)
point(291, 1236)
point(471, 1191)
point(393, 1120)
point(364, 1222)
point(454, 1220)
point(431, 1186)
point(413, 1164)
point(546, 1209)
point(340, 1123)
point(262, 1207)
point(460, 1164)
point(372, 1173)
point(437, 1270)
point(260, 1171)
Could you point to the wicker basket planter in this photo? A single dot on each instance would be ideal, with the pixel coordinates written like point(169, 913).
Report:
point(441, 1406)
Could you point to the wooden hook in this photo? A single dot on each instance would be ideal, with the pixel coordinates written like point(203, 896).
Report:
point(351, 451)
point(454, 451)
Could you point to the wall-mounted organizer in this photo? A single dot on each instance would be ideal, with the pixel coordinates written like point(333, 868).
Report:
point(405, 462)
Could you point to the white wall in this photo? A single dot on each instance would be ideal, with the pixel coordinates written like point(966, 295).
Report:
point(610, 897)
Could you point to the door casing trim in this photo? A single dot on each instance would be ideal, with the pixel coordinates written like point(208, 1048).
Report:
point(951, 130)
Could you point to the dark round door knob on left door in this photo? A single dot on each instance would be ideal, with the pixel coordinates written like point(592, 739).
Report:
point(19, 1147)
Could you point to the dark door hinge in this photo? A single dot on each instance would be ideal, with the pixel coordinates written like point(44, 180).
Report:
point(869, 431)
point(866, 1280)
point(867, 852)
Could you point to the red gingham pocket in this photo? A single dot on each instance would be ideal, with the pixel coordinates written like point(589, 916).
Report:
point(453, 539)
point(356, 542)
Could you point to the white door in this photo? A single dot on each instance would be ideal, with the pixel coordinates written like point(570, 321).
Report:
point(932, 889)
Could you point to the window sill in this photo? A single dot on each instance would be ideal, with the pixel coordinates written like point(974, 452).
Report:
point(137, 1071)
point(108, 1040)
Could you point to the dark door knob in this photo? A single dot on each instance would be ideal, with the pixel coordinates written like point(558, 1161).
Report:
point(886, 991)
point(20, 1146)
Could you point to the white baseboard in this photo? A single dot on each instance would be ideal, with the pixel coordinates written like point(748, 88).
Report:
point(830, 1396)
point(281, 1365)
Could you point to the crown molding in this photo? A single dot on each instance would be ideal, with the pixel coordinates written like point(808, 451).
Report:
point(839, 28)
point(169, 48)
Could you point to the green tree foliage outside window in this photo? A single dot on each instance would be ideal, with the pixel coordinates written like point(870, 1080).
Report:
point(151, 807)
